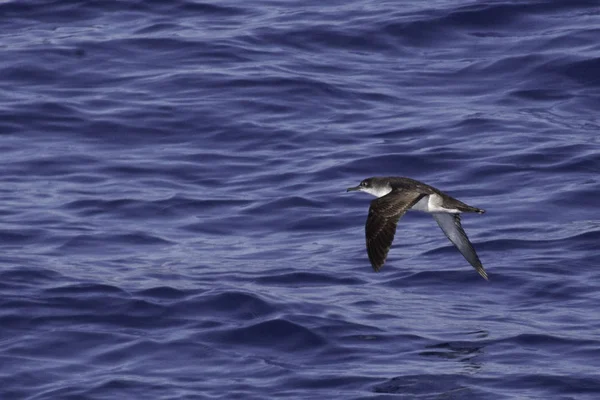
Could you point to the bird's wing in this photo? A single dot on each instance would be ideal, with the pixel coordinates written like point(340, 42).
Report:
point(380, 229)
point(450, 224)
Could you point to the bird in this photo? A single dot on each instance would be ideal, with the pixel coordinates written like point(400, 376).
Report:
point(397, 195)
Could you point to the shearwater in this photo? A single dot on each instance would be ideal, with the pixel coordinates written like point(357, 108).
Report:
point(395, 196)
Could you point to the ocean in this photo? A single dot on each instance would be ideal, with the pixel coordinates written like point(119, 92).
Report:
point(174, 215)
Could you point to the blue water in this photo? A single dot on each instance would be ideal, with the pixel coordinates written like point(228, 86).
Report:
point(173, 215)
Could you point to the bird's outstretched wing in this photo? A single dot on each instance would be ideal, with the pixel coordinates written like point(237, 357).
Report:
point(380, 229)
point(450, 224)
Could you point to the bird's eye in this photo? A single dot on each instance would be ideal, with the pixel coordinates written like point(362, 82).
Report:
point(363, 183)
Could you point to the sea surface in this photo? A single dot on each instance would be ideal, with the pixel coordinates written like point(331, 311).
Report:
point(174, 222)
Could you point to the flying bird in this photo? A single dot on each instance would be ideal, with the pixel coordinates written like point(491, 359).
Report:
point(395, 196)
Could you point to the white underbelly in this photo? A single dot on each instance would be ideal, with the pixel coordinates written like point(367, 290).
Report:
point(432, 204)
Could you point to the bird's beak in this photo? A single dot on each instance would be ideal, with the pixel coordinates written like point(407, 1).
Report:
point(352, 189)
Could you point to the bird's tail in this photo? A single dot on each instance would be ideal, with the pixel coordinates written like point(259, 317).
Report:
point(467, 208)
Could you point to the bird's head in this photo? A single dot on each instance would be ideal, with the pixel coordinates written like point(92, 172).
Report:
point(376, 186)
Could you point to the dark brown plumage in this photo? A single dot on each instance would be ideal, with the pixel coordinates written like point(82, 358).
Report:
point(384, 214)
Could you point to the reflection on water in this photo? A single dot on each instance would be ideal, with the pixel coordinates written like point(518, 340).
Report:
point(442, 385)
point(424, 386)
point(467, 352)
